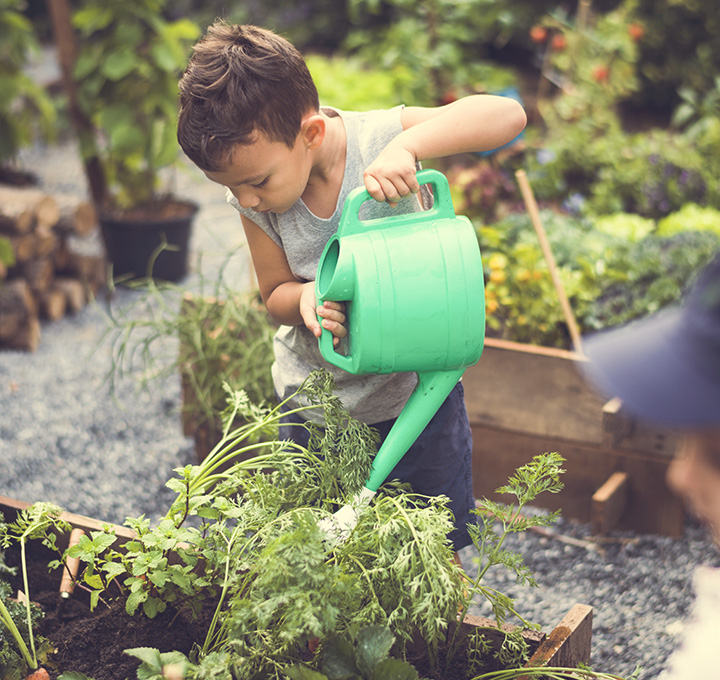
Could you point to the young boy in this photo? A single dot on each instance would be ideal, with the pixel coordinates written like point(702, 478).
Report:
point(666, 369)
point(251, 120)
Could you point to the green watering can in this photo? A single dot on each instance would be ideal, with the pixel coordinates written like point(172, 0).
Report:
point(414, 293)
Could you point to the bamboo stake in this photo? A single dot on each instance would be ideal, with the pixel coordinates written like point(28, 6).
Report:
point(583, 14)
point(531, 205)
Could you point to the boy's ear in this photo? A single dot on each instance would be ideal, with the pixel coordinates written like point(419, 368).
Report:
point(313, 130)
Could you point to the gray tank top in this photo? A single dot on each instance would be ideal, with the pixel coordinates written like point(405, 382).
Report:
point(302, 236)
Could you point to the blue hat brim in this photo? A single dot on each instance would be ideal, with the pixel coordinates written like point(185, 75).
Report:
point(657, 373)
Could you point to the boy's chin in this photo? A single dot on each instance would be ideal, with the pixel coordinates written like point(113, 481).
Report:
point(273, 211)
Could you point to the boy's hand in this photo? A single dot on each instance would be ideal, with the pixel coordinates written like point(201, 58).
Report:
point(332, 314)
point(391, 176)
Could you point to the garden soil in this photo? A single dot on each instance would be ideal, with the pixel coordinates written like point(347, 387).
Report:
point(94, 643)
point(66, 438)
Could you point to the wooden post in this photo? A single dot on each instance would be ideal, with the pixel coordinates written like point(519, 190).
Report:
point(609, 503)
point(60, 15)
point(616, 424)
point(569, 643)
point(534, 213)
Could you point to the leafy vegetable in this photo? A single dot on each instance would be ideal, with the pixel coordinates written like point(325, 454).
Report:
point(242, 541)
point(39, 521)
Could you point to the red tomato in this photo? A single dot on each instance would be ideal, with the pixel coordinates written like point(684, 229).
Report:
point(558, 42)
point(538, 34)
point(601, 73)
point(636, 31)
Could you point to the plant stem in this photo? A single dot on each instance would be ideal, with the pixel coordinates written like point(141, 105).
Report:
point(225, 452)
point(7, 620)
point(226, 581)
point(26, 586)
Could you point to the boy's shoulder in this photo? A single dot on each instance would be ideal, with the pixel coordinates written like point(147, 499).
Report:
point(369, 132)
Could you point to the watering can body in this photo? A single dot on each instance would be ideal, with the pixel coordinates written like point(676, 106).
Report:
point(414, 294)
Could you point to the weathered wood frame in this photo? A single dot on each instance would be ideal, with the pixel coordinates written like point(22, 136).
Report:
point(523, 400)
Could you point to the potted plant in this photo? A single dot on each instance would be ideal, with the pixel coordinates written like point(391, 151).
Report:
point(241, 550)
point(129, 58)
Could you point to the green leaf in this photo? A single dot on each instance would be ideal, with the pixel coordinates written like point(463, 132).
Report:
point(164, 57)
point(153, 606)
point(134, 600)
point(73, 675)
point(339, 659)
point(394, 669)
point(94, 599)
point(165, 145)
point(119, 64)
point(128, 137)
point(373, 645)
point(94, 581)
point(7, 255)
point(183, 30)
point(149, 657)
point(113, 569)
point(91, 19)
point(303, 673)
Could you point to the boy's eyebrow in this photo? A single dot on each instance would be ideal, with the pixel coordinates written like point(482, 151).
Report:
point(251, 180)
point(254, 178)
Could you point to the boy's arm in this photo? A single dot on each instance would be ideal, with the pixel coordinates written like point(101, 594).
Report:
point(289, 301)
point(474, 123)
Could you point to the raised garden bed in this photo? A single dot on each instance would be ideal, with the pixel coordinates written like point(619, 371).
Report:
point(94, 644)
point(525, 399)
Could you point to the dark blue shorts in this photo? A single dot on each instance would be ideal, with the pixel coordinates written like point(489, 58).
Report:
point(438, 463)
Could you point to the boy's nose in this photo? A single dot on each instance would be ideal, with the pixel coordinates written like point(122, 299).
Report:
point(248, 199)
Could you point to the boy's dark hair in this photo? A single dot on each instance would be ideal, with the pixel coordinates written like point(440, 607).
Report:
point(241, 80)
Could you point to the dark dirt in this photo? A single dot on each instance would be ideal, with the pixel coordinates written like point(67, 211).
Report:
point(161, 210)
point(94, 643)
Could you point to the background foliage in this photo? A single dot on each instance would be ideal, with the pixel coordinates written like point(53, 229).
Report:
point(624, 104)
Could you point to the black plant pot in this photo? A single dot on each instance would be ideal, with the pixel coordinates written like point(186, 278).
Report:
point(152, 247)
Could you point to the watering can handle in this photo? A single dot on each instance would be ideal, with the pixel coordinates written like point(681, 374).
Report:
point(351, 223)
point(327, 349)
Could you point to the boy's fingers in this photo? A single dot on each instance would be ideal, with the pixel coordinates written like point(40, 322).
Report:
point(374, 188)
point(337, 329)
point(393, 191)
point(333, 318)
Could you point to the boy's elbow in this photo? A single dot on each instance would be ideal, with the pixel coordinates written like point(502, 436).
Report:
point(517, 117)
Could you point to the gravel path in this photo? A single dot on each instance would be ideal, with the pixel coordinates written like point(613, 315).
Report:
point(64, 438)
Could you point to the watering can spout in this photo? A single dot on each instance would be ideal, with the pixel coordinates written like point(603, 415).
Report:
point(431, 391)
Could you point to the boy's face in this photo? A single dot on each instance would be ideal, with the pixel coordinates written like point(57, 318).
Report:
point(267, 176)
point(695, 474)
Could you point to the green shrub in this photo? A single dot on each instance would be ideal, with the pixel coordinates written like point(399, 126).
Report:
point(650, 275)
point(690, 217)
point(26, 110)
point(680, 47)
point(614, 269)
point(441, 42)
point(350, 84)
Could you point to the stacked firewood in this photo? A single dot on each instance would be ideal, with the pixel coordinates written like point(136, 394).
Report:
point(52, 273)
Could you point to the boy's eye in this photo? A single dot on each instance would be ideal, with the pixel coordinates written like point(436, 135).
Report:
point(259, 185)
